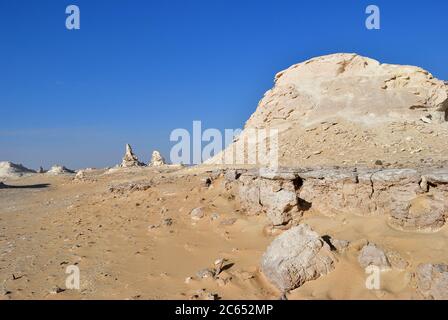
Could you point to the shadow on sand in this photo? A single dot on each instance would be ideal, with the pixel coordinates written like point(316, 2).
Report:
point(31, 186)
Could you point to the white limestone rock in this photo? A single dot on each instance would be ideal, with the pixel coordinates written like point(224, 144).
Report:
point(12, 170)
point(156, 159)
point(130, 159)
point(295, 257)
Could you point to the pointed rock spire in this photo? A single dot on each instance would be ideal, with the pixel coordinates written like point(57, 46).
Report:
point(130, 159)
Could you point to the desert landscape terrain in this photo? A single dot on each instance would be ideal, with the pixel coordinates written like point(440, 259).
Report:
point(361, 182)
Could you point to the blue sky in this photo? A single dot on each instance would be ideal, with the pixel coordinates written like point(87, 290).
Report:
point(136, 70)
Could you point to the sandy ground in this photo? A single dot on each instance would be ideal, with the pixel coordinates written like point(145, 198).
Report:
point(50, 222)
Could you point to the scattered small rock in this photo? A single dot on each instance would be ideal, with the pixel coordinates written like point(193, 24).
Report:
point(205, 273)
point(57, 290)
point(202, 294)
point(228, 222)
point(197, 213)
point(167, 222)
point(426, 119)
point(214, 216)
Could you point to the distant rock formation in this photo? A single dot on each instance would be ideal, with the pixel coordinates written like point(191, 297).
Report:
point(12, 170)
point(157, 160)
point(130, 159)
point(58, 170)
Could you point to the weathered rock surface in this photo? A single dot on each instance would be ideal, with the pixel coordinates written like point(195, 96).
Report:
point(12, 170)
point(372, 255)
point(415, 200)
point(58, 170)
point(130, 187)
point(315, 89)
point(156, 159)
point(396, 260)
point(337, 244)
point(296, 256)
point(130, 159)
point(432, 281)
point(232, 175)
point(277, 198)
point(423, 212)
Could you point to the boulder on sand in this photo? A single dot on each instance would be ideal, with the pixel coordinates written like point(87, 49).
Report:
point(295, 257)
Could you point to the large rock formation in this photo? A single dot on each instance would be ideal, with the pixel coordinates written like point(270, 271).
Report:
point(344, 109)
point(296, 256)
point(12, 170)
point(156, 159)
point(130, 159)
point(356, 88)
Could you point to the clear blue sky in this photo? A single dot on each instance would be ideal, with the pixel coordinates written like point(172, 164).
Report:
point(136, 70)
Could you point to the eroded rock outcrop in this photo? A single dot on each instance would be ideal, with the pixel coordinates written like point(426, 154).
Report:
point(130, 159)
point(296, 256)
point(269, 194)
point(397, 193)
